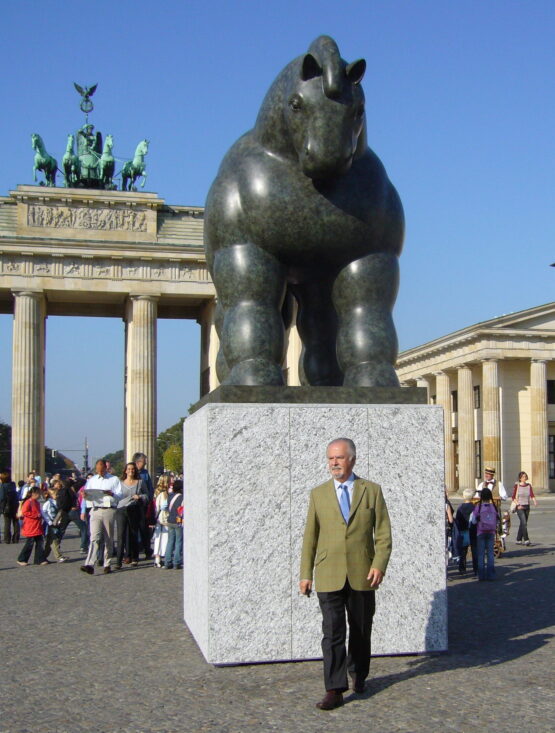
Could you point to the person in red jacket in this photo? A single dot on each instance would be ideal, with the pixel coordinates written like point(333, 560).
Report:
point(32, 529)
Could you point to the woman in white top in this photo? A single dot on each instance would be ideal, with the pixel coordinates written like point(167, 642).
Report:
point(161, 529)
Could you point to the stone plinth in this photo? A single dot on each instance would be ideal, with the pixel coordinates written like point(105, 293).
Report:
point(249, 469)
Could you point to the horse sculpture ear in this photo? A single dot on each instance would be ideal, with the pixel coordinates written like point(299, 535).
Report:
point(310, 68)
point(355, 71)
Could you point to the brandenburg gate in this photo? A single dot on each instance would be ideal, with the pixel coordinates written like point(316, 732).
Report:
point(88, 252)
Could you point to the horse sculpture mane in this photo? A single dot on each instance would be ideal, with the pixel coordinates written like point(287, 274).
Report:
point(302, 209)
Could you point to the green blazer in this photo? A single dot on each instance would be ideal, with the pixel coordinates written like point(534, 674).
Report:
point(336, 551)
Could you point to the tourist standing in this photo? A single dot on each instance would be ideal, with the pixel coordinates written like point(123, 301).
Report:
point(49, 512)
point(130, 512)
point(140, 459)
point(8, 508)
point(485, 517)
point(31, 529)
point(522, 494)
point(105, 492)
point(161, 501)
point(174, 549)
point(462, 519)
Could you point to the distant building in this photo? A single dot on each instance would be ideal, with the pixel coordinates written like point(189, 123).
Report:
point(496, 383)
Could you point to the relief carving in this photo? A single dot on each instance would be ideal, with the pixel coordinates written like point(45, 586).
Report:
point(73, 268)
point(13, 267)
point(101, 219)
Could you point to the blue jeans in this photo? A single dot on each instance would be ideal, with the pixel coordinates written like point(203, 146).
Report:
point(486, 570)
point(175, 546)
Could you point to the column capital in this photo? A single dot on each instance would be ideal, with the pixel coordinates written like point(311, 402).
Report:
point(140, 296)
point(463, 366)
point(31, 293)
point(538, 361)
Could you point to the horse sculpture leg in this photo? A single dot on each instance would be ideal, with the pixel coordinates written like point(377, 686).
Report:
point(317, 325)
point(251, 287)
point(364, 294)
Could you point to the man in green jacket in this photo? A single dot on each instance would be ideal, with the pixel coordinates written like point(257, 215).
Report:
point(346, 544)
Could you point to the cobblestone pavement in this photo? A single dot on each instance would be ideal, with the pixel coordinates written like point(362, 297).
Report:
point(111, 653)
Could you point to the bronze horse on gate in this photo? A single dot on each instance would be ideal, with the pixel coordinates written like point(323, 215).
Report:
point(301, 207)
point(43, 161)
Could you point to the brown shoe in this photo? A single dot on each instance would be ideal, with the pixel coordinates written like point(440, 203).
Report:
point(87, 569)
point(107, 570)
point(331, 700)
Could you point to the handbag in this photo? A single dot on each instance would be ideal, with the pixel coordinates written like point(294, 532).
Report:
point(514, 502)
point(58, 518)
point(163, 516)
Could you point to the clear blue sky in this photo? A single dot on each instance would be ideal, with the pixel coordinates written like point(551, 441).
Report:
point(460, 108)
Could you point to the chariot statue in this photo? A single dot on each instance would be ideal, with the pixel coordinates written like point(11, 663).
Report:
point(93, 165)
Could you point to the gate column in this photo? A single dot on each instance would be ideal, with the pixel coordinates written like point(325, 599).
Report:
point(140, 377)
point(28, 383)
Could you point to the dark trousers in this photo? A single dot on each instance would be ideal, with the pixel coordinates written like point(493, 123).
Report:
point(360, 606)
point(11, 528)
point(127, 521)
point(522, 533)
point(145, 533)
point(25, 553)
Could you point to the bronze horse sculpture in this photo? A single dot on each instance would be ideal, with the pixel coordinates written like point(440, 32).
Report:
point(301, 207)
point(43, 161)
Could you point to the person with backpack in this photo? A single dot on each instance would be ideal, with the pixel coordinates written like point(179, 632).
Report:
point(485, 517)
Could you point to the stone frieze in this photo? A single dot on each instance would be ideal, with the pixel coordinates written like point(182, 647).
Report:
point(103, 268)
point(97, 218)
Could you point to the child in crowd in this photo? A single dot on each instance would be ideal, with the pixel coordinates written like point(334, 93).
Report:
point(485, 517)
point(161, 529)
point(31, 529)
point(49, 511)
point(174, 549)
point(462, 518)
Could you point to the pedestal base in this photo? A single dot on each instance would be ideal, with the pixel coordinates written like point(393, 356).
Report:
point(249, 469)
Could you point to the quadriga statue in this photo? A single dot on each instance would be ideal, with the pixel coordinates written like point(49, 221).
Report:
point(302, 207)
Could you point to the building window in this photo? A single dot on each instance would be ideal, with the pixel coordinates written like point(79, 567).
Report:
point(478, 458)
point(551, 391)
point(552, 456)
point(476, 390)
point(454, 401)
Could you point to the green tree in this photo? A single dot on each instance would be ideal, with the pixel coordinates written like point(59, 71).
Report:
point(116, 459)
point(172, 436)
point(173, 458)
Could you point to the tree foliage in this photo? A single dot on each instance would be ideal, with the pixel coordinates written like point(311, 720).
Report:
point(173, 458)
point(116, 459)
point(172, 436)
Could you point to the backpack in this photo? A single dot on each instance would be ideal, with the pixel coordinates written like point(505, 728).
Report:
point(487, 518)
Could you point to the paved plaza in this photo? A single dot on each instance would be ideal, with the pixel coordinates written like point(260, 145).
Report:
point(111, 653)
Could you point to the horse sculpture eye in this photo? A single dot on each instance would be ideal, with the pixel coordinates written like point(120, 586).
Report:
point(295, 103)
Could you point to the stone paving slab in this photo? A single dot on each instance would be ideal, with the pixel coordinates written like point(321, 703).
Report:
point(109, 653)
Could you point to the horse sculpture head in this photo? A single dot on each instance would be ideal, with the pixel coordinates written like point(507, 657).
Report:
point(36, 141)
point(314, 111)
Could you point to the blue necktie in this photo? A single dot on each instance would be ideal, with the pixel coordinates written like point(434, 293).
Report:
point(344, 503)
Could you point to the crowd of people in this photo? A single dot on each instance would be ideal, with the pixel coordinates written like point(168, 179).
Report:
point(117, 517)
point(479, 521)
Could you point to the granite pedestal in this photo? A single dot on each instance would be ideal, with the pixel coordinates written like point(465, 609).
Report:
point(249, 469)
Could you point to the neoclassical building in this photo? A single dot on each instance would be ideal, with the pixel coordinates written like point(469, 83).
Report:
point(496, 383)
point(117, 254)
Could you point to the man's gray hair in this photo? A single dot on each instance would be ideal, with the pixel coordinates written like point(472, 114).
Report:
point(137, 456)
point(351, 446)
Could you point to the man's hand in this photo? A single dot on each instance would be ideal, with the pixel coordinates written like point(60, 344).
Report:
point(305, 586)
point(375, 577)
